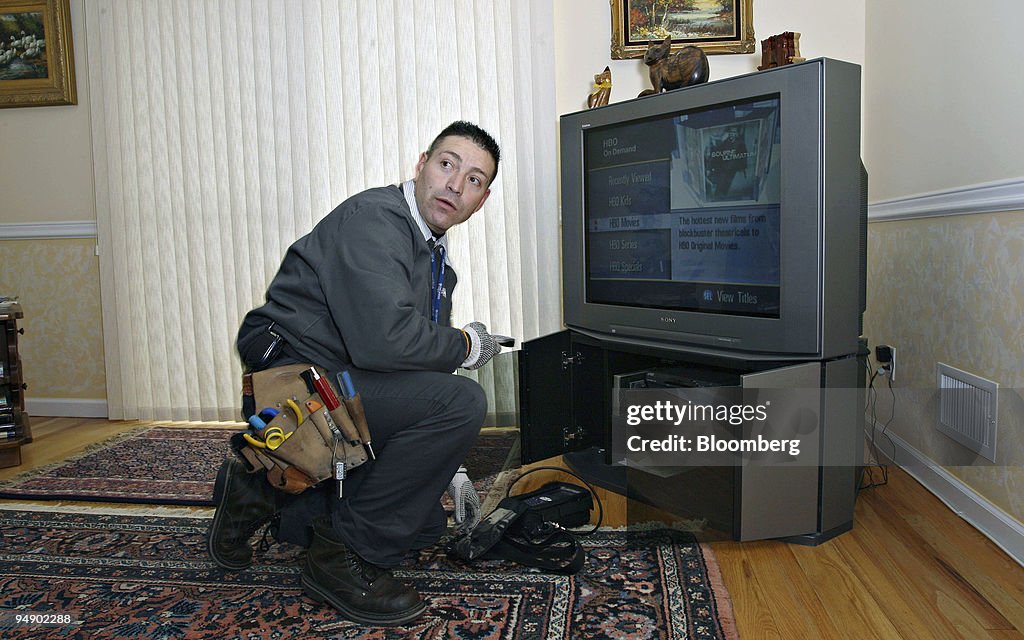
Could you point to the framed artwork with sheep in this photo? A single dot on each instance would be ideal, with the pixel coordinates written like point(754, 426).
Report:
point(716, 26)
point(37, 66)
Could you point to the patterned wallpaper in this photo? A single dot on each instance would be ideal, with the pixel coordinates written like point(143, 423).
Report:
point(951, 290)
point(57, 282)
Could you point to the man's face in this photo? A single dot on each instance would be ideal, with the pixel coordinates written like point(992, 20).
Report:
point(452, 183)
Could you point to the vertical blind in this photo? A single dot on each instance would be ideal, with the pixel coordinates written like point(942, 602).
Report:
point(223, 131)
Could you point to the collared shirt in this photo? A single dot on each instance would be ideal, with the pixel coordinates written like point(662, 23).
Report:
point(409, 191)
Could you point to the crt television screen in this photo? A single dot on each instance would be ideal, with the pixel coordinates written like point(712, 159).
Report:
point(682, 210)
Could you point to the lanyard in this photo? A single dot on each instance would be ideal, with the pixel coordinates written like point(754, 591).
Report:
point(436, 286)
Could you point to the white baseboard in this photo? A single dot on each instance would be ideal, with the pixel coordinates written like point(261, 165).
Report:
point(66, 408)
point(997, 525)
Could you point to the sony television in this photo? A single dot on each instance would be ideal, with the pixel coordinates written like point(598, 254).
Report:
point(728, 217)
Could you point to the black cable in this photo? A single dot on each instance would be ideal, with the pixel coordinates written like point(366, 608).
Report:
point(885, 428)
point(867, 479)
point(593, 492)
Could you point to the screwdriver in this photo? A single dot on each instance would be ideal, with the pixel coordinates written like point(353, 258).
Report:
point(354, 404)
point(323, 389)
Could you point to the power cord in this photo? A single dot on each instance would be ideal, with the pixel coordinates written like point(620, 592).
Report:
point(867, 479)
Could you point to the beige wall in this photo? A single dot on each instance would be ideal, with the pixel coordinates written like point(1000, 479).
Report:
point(46, 153)
point(942, 114)
point(951, 290)
point(62, 348)
point(944, 95)
point(46, 176)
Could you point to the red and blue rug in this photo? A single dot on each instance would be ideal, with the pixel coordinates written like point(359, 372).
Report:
point(178, 465)
point(120, 576)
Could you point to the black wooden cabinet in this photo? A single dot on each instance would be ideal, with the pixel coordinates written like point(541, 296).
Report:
point(568, 385)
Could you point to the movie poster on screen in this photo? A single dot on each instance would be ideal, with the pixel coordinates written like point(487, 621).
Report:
point(730, 161)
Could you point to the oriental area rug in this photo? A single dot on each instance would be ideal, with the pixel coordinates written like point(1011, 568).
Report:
point(178, 466)
point(124, 576)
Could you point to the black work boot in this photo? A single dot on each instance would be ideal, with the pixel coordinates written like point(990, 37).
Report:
point(245, 501)
point(361, 591)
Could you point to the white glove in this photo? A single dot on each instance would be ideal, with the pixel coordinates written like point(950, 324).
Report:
point(482, 345)
point(466, 500)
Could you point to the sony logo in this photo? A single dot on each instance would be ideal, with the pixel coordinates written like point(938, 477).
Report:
point(667, 319)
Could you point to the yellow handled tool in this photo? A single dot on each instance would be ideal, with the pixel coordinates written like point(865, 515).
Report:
point(296, 410)
point(259, 444)
point(273, 437)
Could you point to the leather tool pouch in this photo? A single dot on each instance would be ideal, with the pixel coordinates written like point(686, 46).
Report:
point(311, 453)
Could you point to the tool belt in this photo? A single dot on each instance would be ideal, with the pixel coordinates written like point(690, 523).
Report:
point(311, 444)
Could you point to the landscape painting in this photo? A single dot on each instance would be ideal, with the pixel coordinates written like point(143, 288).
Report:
point(36, 54)
point(716, 26)
point(22, 46)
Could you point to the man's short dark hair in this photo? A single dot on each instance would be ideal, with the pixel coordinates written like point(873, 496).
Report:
point(474, 133)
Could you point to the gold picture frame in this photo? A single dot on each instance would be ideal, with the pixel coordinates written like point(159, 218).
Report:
point(37, 58)
point(716, 26)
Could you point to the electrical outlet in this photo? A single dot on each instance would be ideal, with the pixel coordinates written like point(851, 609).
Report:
point(886, 356)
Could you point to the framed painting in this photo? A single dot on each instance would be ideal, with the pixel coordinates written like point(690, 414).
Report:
point(37, 60)
point(716, 26)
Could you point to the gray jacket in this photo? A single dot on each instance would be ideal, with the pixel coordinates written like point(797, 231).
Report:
point(356, 291)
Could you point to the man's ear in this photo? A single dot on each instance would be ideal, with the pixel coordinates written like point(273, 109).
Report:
point(422, 161)
point(482, 200)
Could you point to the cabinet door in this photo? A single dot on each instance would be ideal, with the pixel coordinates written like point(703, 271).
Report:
point(545, 397)
point(778, 501)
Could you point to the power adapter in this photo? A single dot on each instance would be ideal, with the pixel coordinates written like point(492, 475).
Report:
point(560, 502)
point(886, 356)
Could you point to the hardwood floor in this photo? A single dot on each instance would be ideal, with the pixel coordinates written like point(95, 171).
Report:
point(909, 569)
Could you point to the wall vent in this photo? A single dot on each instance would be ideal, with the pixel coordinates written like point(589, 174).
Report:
point(968, 409)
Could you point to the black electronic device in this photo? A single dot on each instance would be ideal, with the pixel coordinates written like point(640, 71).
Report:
point(565, 504)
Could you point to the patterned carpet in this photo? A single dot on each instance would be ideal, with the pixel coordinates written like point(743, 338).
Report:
point(177, 466)
point(121, 576)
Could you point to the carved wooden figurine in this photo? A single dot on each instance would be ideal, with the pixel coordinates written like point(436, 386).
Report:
point(602, 89)
point(686, 67)
point(780, 50)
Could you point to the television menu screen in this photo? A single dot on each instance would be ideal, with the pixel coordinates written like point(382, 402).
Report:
point(682, 211)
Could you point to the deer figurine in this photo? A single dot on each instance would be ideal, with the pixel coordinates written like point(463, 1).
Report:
point(686, 67)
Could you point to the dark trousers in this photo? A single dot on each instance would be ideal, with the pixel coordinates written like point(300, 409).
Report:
point(423, 424)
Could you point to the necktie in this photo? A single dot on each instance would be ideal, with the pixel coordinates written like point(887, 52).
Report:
point(436, 278)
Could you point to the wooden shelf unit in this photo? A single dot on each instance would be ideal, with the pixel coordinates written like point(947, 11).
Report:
point(13, 419)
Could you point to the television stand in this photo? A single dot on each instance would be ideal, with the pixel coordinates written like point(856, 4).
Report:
point(569, 383)
point(590, 465)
